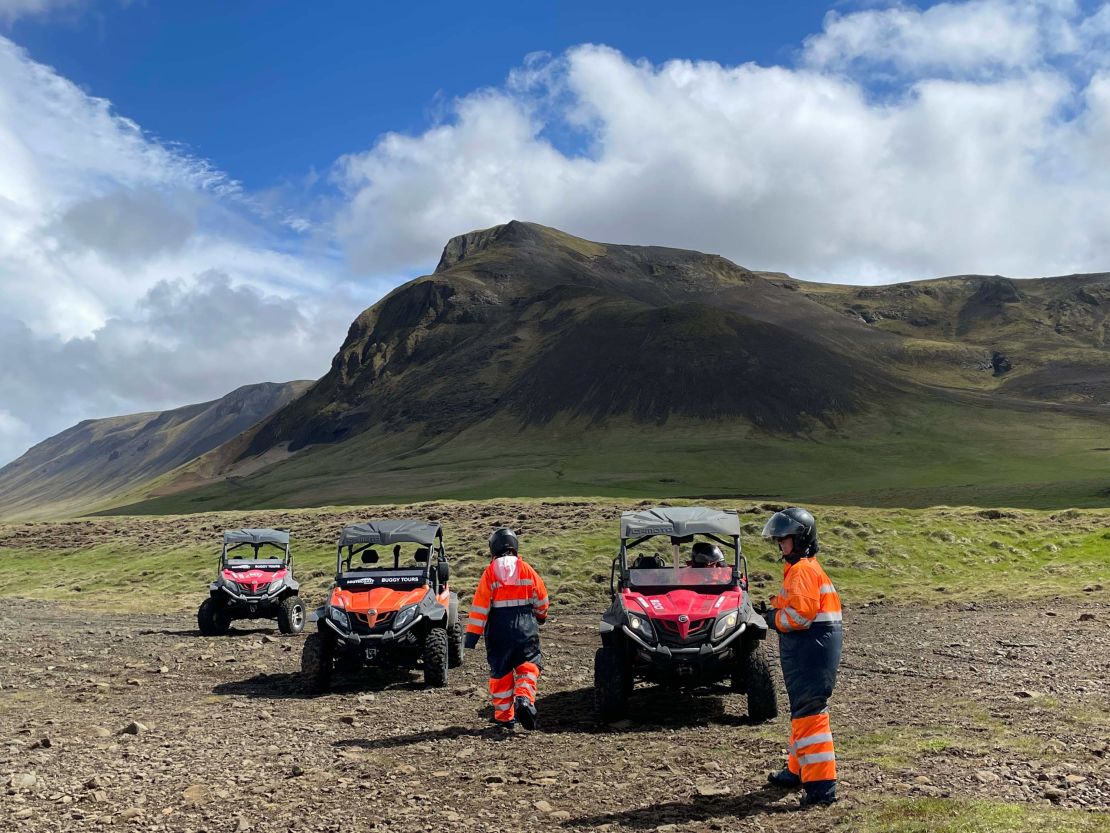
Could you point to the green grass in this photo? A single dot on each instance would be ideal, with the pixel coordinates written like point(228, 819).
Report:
point(929, 555)
point(939, 815)
point(929, 454)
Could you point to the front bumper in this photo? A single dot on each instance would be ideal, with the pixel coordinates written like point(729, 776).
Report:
point(357, 641)
point(706, 649)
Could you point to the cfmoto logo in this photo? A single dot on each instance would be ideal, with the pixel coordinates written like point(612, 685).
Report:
point(683, 618)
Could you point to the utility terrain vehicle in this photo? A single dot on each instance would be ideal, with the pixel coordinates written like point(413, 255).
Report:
point(679, 624)
point(254, 581)
point(393, 616)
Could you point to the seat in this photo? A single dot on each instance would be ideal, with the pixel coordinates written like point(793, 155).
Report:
point(649, 562)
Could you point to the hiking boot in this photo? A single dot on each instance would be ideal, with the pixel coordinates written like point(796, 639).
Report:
point(819, 794)
point(784, 779)
point(525, 713)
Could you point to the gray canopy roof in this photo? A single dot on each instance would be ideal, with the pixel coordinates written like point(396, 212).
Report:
point(390, 532)
point(256, 536)
point(680, 521)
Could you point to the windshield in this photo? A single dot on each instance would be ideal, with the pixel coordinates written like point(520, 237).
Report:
point(370, 557)
point(682, 577)
point(263, 555)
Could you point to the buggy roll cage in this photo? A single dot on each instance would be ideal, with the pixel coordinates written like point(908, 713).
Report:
point(256, 539)
point(357, 538)
point(682, 525)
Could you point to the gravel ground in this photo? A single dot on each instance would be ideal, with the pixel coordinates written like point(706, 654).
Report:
point(112, 721)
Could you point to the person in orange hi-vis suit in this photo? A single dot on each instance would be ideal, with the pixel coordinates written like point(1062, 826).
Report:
point(807, 616)
point(509, 605)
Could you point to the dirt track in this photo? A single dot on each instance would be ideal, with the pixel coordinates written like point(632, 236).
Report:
point(1004, 702)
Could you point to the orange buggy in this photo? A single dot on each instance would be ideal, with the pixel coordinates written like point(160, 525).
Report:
point(399, 615)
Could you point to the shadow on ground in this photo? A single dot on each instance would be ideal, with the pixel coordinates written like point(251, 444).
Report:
point(572, 711)
point(649, 709)
point(758, 802)
point(231, 634)
point(291, 686)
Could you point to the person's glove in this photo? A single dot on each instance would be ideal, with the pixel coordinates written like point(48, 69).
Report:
point(471, 640)
point(542, 621)
point(763, 610)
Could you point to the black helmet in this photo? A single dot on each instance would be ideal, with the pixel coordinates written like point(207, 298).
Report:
point(705, 554)
point(795, 523)
point(503, 540)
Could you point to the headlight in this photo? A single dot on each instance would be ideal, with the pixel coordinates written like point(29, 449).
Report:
point(641, 626)
point(231, 584)
point(725, 624)
point(404, 617)
point(275, 585)
point(339, 617)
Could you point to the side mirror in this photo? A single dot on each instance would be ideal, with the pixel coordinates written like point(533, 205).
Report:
point(443, 572)
point(421, 555)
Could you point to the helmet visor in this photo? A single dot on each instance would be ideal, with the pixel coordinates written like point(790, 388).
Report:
point(780, 525)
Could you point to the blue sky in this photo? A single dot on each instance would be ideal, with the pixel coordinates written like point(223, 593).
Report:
point(269, 91)
point(176, 174)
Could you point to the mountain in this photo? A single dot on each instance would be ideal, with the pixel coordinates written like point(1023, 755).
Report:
point(1042, 339)
point(532, 362)
point(100, 459)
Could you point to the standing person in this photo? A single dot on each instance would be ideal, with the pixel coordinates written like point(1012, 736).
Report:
point(808, 619)
point(509, 605)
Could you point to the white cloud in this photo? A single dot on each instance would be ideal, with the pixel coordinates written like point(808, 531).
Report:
point(136, 277)
point(982, 36)
point(982, 152)
point(184, 342)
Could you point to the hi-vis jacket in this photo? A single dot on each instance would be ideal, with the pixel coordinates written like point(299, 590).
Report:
point(510, 602)
point(808, 617)
point(807, 598)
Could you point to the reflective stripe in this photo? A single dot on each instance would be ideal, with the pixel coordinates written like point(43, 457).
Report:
point(501, 694)
point(812, 739)
point(826, 588)
point(829, 617)
point(798, 619)
point(511, 603)
point(499, 708)
point(541, 602)
point(532, 677)
point(816, 758)
point(475, 609)
point(522, 583)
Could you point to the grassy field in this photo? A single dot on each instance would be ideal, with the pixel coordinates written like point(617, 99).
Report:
point(930, 555)
point(939, 453)
point(942, 815)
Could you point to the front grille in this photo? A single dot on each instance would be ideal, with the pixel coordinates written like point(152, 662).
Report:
point(253, 589)
point(669, 632)
point(363, 623)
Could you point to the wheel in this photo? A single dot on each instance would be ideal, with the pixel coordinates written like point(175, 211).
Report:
point(316, 663)
point(455, 648)
point(752, 674)
point(213, 618)
point(436, 651)
point(291, 616)
point(612, 683)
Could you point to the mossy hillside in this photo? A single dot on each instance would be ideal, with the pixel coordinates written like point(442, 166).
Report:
point(924, 555)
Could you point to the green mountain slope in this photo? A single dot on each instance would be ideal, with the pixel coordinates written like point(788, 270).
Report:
point(100, 459)
point(535, 363)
